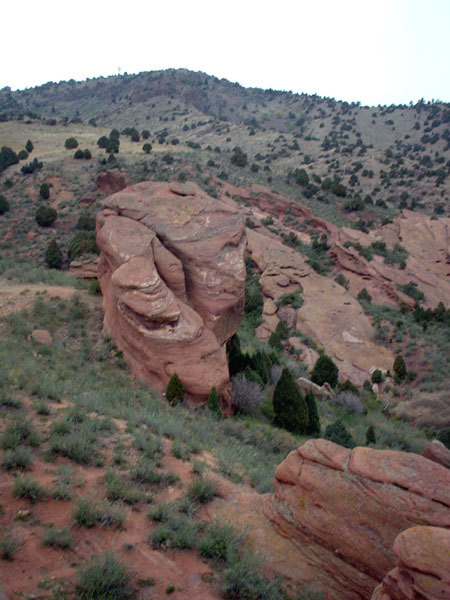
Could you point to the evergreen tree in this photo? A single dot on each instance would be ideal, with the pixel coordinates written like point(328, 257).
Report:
point(325, 371)
point(370, 435)
point(337, 433)
point(213, 402)
point(29, 146)
point(289, 406)
point(53, 255)
point(236, 360)
point(4, 205)
point(313, 415)
point(44, 191)
point(46, 216)
point(175, 390)
point(400, 370)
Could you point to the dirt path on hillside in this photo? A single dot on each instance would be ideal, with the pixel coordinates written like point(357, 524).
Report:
point(17, 296)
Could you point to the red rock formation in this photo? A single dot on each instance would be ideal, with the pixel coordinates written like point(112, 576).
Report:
point(85, 269)
point(343, 509)
point(437, 452)
point(423, 566)
point(112, 181)
point(172, 275)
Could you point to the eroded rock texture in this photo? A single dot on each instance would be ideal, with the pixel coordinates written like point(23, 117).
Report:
point(172, 275)
point(343, 509)
point(423, 566)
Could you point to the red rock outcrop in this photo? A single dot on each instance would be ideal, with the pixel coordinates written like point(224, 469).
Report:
point(112, 181)
point(330, 315)
point(437, 452)
point(342, 510)
point(423, 566)
point(427, 242)
point(172, 275)
point(85, 269)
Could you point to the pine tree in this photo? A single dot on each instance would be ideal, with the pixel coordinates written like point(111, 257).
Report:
point(29, 146)
point(313, 415)
point(44, 191)
point(53, 255)
point(175, 390)
point(325, 371)
point(289, 405)
point(213, 402)
point(337, 433)
point(370, 435)
point(400, 368)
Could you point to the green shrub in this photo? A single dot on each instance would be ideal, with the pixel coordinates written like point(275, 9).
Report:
point(213, 402)
point(337, 433)
point(242, 581)
point(86, 222)
point(325, 371)
point(117, 488)
point(22, 155)
point(8, 545)
point(7, 158)
point(89, 513)
point(18, 431)
point(44, 191)
point(29, 146)
point(104, 578)
point(56, 538)
point(218, 542)
point(4, 205)
point(147, 148)
point(364, 296)
point(444, 437)
point(239, 158)
point(377, 376)
point(399, 368)
point(175, 390)
point(83, 242)
point(46, 216)
point(202, 490)
point(313, 415)
point(79, 154)
point(71, 143)
point(53, 255)
point(87, 154)
point(19, 458)
point(289, 405)
point(103, 142)
point(25, 487)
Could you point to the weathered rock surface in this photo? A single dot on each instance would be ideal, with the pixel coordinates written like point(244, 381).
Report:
point(112, 181)
point(342, 510)
point(330, 315)
point(427, 242)
point(437, 452)
point(423, 566)
point(172, 275)
point(85, 269)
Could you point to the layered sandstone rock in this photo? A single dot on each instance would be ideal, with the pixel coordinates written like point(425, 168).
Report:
point(330, 315)
point(172, 275)
point(437, 452)
point(112, 181)
point(342, 510)
point(423, 566)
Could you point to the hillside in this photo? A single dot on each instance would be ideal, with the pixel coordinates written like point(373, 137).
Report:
point(343, 212)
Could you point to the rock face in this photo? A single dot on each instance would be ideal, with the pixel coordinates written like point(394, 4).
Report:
point(172, 275)
point(423, 566)
point(343, 509)
point(330, 315)
point(85, 269)
point(437, 452)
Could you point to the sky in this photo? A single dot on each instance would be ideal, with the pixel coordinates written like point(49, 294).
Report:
point(382, 52)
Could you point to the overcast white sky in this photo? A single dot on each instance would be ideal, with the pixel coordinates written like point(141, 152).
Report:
point(382, 52)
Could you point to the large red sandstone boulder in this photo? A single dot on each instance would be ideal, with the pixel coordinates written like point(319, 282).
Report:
point(342, 510)
point(423, 566)
point(172, 275)
point(437, 452)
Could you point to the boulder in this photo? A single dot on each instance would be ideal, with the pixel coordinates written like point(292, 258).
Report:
point(85, 269)
point(41, 337)
point(342, 510)
point(172, 275)
point(423, 566)
point(112, 181)
point(437, 452)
